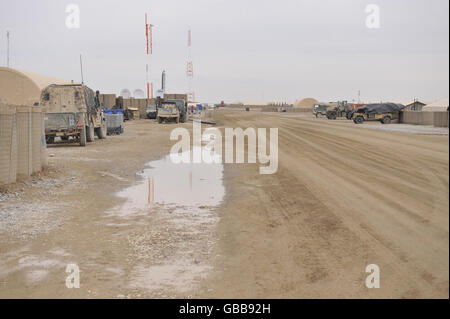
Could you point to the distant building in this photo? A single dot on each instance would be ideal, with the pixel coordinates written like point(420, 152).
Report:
point(414, 105)
point(259, 103)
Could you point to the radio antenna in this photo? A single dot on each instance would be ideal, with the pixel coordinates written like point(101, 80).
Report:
point(81, 67)
point(7, 48)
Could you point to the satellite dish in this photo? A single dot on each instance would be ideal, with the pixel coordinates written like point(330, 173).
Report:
point(125, 93)
point(138, 94)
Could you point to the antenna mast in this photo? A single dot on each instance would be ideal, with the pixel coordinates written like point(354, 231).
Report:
point(81, 68)
point(7, 49)
point(149, 44)
point(190, 70)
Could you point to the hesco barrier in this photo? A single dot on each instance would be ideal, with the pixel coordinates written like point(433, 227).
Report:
point(36, 139)
point(8, 145)
point(142, 108)
point(22, 142)
point(107, 100)
point(299, 110)
point(140, 104)
point(438, 119)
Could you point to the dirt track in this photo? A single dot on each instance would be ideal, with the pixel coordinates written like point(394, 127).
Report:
point(343, 198)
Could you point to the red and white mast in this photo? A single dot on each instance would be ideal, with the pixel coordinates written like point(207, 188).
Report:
point(149, 42)
point(190, 70)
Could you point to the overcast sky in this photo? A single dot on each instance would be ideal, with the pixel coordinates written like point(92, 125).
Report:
point(249, 50)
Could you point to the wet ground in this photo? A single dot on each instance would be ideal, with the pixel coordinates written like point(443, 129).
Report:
point(136, 224)
point(138, 227)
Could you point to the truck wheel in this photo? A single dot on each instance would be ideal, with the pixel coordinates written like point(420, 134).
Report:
point(83, 137)
point(50, 139)
point(159, 120)
point(358, 120)
point(90, 133)
point(386, 120)
point(101, 132)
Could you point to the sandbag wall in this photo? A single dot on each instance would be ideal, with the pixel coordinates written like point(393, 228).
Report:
point(438, 119)
point(140, 104)
point(8, 145)
point(107, 100)
point(22, 142)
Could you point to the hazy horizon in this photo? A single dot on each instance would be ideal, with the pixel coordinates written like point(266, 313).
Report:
point(241, 50)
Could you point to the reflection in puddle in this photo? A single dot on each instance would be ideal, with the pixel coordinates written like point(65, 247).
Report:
point(173, 211)
point(188, 185)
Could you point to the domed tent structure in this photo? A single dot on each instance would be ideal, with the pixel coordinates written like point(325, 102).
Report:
point(438, 106)
point(305, 103)
point(22, 87)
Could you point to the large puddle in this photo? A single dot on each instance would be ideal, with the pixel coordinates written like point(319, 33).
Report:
point(191, 186)
point(170, 224)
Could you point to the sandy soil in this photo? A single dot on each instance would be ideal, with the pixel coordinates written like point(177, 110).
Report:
point(343, 197)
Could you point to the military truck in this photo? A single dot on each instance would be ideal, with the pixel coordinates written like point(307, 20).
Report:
point(383, 112)
point(180, 101)
point(182, 108)
point(321, 109)
point(168, 111)
point(342, 109)
point(72, 111)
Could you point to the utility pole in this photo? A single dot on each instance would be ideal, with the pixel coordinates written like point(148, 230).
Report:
point(81, 67)
point(7, 48)
point(190, 70)
point(149, 42)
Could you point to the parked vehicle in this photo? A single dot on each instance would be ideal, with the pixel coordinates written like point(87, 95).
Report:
point(342, 109)
point(168, 111)
point(72, 111)
point(383, 112)
point(320, 110)
point(182, 108)
point(151, 111)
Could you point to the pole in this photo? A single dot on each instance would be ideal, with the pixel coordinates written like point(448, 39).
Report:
point(81, 68)
point(7, 49)
point(151, 38)
point(148, 86)
point(146, 30)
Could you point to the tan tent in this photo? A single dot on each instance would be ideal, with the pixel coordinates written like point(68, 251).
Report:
point(438, 106)
point(305, 103)
point(22, 87)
